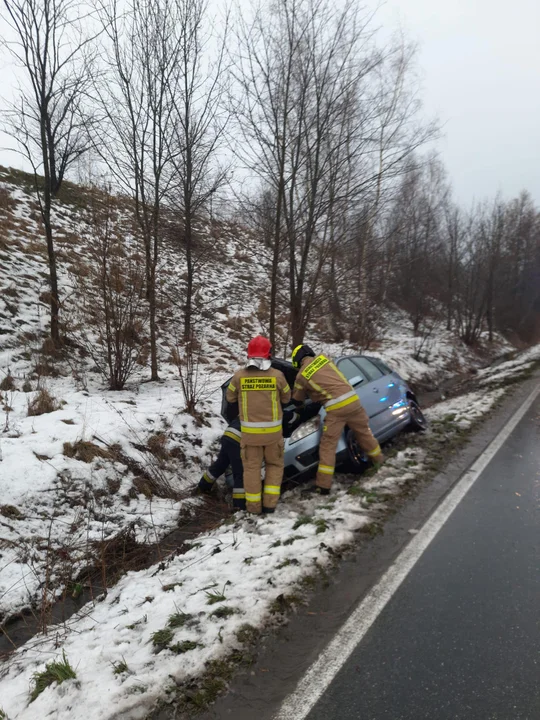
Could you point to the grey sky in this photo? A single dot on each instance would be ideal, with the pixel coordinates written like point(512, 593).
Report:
point(480, 62)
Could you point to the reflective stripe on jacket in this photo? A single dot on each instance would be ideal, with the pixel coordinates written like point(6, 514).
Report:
point(323, 382)
point(233, 434)
point(260, 395)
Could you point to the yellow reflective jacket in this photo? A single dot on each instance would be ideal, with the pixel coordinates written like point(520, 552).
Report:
point(260, 395)
point(323, 382)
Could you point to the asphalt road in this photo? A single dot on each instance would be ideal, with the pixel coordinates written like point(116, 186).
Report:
point(460, 638)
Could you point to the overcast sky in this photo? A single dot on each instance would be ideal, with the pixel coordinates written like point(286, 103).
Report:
point(480, 62)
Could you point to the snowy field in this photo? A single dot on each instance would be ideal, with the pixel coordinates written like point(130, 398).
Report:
point(69, 480)
point(236, 580)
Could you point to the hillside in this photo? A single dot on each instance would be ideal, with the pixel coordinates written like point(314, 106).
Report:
point(66, 471)
point(98, 465)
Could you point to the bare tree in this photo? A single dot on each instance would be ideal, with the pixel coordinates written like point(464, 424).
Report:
point(200, 119)
point(47, 120)
point(263, 69)
point(470, 297)
point(145, 47)
point(454, 222)
point(492, 229)
point(326, 119)
point(112, 319)
point(297, 66)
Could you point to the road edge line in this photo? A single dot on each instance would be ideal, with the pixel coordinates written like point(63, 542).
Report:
point(320, 674)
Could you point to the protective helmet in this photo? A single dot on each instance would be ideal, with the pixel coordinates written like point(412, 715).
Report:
point(259, 347)
point(299, 353)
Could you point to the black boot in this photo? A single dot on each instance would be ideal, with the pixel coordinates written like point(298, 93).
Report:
point(205, 485)
point(315, 490)
point(268, 511)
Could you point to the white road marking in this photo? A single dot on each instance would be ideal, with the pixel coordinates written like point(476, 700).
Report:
point(312, 686)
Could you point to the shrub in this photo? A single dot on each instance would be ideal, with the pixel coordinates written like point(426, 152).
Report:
point(112, 318)
point(8, 383)
point(42, 403)
point(56, 671)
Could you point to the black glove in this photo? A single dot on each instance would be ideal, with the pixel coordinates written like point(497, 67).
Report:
point(231, 412)
point(289, 417)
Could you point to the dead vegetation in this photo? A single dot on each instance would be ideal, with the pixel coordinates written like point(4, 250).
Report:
point(11, 512)
point(157, 445)
point(7, 203)
point(8, 383)
point(42, 403)
point(85, 451)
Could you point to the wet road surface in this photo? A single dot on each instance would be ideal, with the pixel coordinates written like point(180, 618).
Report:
point(460, 639)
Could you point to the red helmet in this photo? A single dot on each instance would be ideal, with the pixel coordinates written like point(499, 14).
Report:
point(259, 347)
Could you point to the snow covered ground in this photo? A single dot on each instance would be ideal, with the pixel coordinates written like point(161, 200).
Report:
point(235, 581)
point(69, 479)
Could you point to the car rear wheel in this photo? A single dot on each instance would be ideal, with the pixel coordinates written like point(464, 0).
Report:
point(418, 421)
point(357, 460)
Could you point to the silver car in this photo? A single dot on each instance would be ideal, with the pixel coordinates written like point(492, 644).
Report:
point(390, 403)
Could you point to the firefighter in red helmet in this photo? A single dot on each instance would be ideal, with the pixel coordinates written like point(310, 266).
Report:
point(260, 392)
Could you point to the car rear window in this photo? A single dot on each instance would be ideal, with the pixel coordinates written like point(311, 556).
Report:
point(350, 369)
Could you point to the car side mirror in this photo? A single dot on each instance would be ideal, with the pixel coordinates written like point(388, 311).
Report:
point(356, 380)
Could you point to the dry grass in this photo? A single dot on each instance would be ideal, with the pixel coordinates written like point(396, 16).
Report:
point(45, 368)
point(11, 512)
point(43, 402)
point(8, 383)
point(7, 203)
point(10, 292)
point(157, 446)
point(85, 451)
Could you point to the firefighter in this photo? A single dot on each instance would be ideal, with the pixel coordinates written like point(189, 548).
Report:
point(321, 380)
point(260, 391)
point(229, 454)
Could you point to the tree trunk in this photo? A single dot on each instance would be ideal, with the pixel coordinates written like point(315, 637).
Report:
point(275, 264)
point(273, 292)
point(53, 279)
point(46, 206)
point(188, 309)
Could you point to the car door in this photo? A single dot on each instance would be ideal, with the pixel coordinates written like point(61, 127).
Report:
point(361, 383)
point(387, 392)
point(377, 394)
